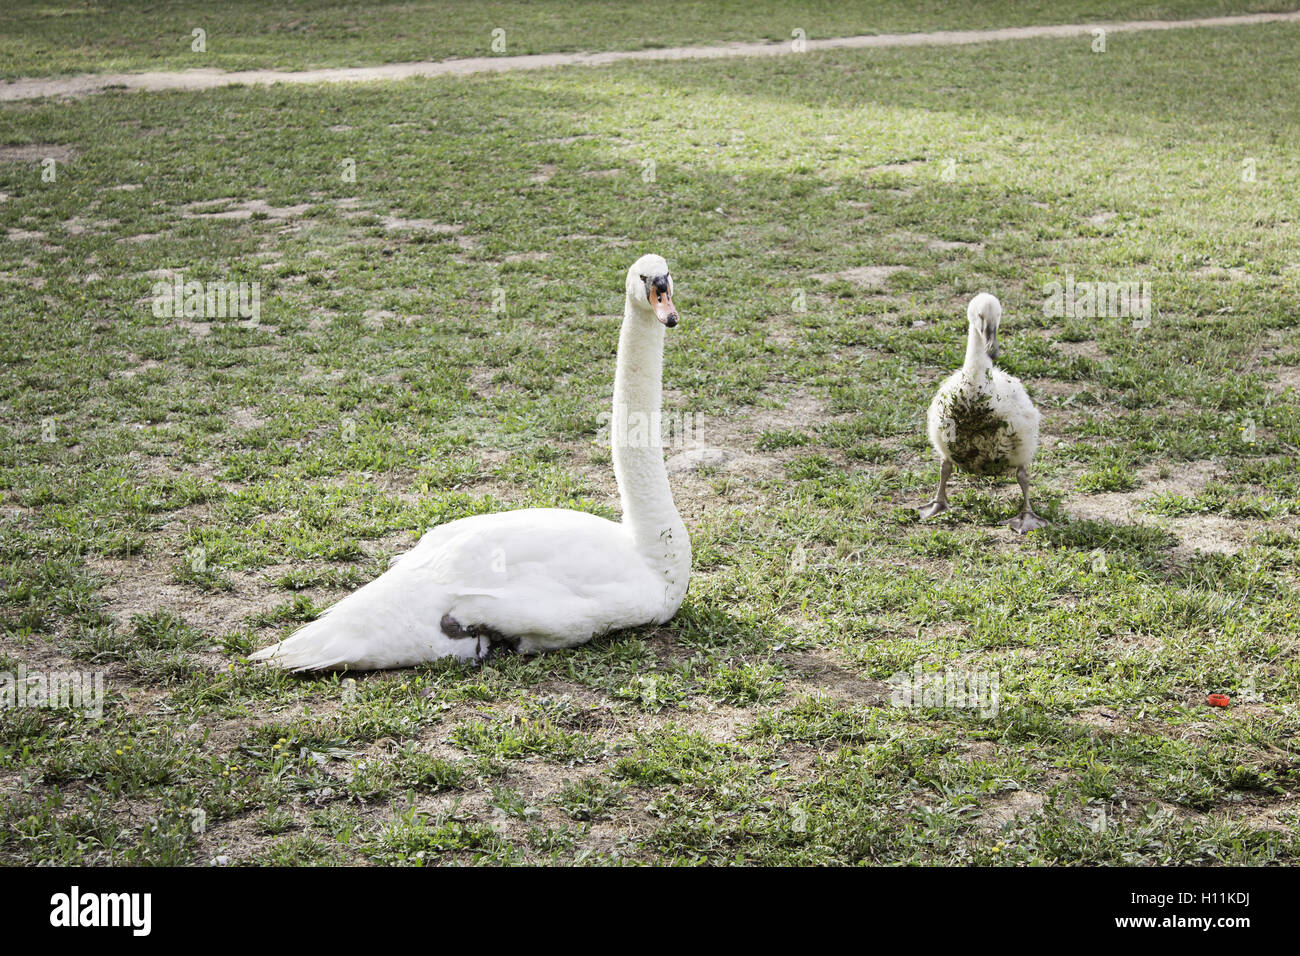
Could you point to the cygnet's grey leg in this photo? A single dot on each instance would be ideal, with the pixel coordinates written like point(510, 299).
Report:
point(940, 502)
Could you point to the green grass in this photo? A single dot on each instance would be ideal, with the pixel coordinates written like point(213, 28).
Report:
point(208, 484)
point(38, 37)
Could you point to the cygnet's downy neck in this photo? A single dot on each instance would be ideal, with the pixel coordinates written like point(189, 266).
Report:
point(977, 361)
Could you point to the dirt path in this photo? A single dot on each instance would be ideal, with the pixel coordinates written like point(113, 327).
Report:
point(207, 79)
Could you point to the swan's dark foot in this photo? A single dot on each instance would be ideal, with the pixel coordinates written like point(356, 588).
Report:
point(490, 643)
point(451, 627)
point(1025, 522)
point(933, 508)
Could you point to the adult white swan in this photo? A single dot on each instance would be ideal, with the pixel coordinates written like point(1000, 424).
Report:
point(540, 578)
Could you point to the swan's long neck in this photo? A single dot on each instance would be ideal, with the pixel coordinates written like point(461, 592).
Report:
point(977, 361)
point(636, 444)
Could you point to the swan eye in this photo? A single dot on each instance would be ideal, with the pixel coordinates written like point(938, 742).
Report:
point(657, 284)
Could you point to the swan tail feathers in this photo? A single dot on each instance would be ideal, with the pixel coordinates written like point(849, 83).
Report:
point(394, 621)
point(316, 646)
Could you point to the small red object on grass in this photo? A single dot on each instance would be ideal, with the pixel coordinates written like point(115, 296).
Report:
point(1217, 700)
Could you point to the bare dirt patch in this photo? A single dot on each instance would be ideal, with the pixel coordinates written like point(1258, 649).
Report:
point(145, 585)
point(398, 224)
point(137, 367)
point(246, 418)
point(1014, 806)
point(1287, 378)
point(905, 166)
point(731, 442)
point(1205, 533)
point(35, 153)
point(951, 245)
point(1086, 349)
point(869, 277)
point(1123, 507)
point(818, 674)
point(1223, 274)
point(245, 209)
point(1213, 534)
point(79, 226)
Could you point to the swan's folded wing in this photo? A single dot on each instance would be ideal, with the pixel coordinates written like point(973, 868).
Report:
point(485, 551)
point(556, 577)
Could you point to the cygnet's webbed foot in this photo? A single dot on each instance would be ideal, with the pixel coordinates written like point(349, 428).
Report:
point(1025, 522)
point(933, 508)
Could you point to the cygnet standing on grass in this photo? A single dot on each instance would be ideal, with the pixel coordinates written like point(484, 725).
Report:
point(982, 420)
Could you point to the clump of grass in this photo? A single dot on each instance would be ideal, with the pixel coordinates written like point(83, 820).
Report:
point(412, 838)
point(775, 440)
point(589, 799)
point(511, 740)
point(1114, 476)
point(746, 684)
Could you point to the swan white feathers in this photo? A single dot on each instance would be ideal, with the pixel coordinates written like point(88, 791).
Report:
point(536, 579)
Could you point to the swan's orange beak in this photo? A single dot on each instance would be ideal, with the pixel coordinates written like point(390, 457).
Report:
point(665, 311)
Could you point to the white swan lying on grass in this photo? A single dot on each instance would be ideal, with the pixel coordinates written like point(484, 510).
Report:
point(982, 419)
point(540, 578)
